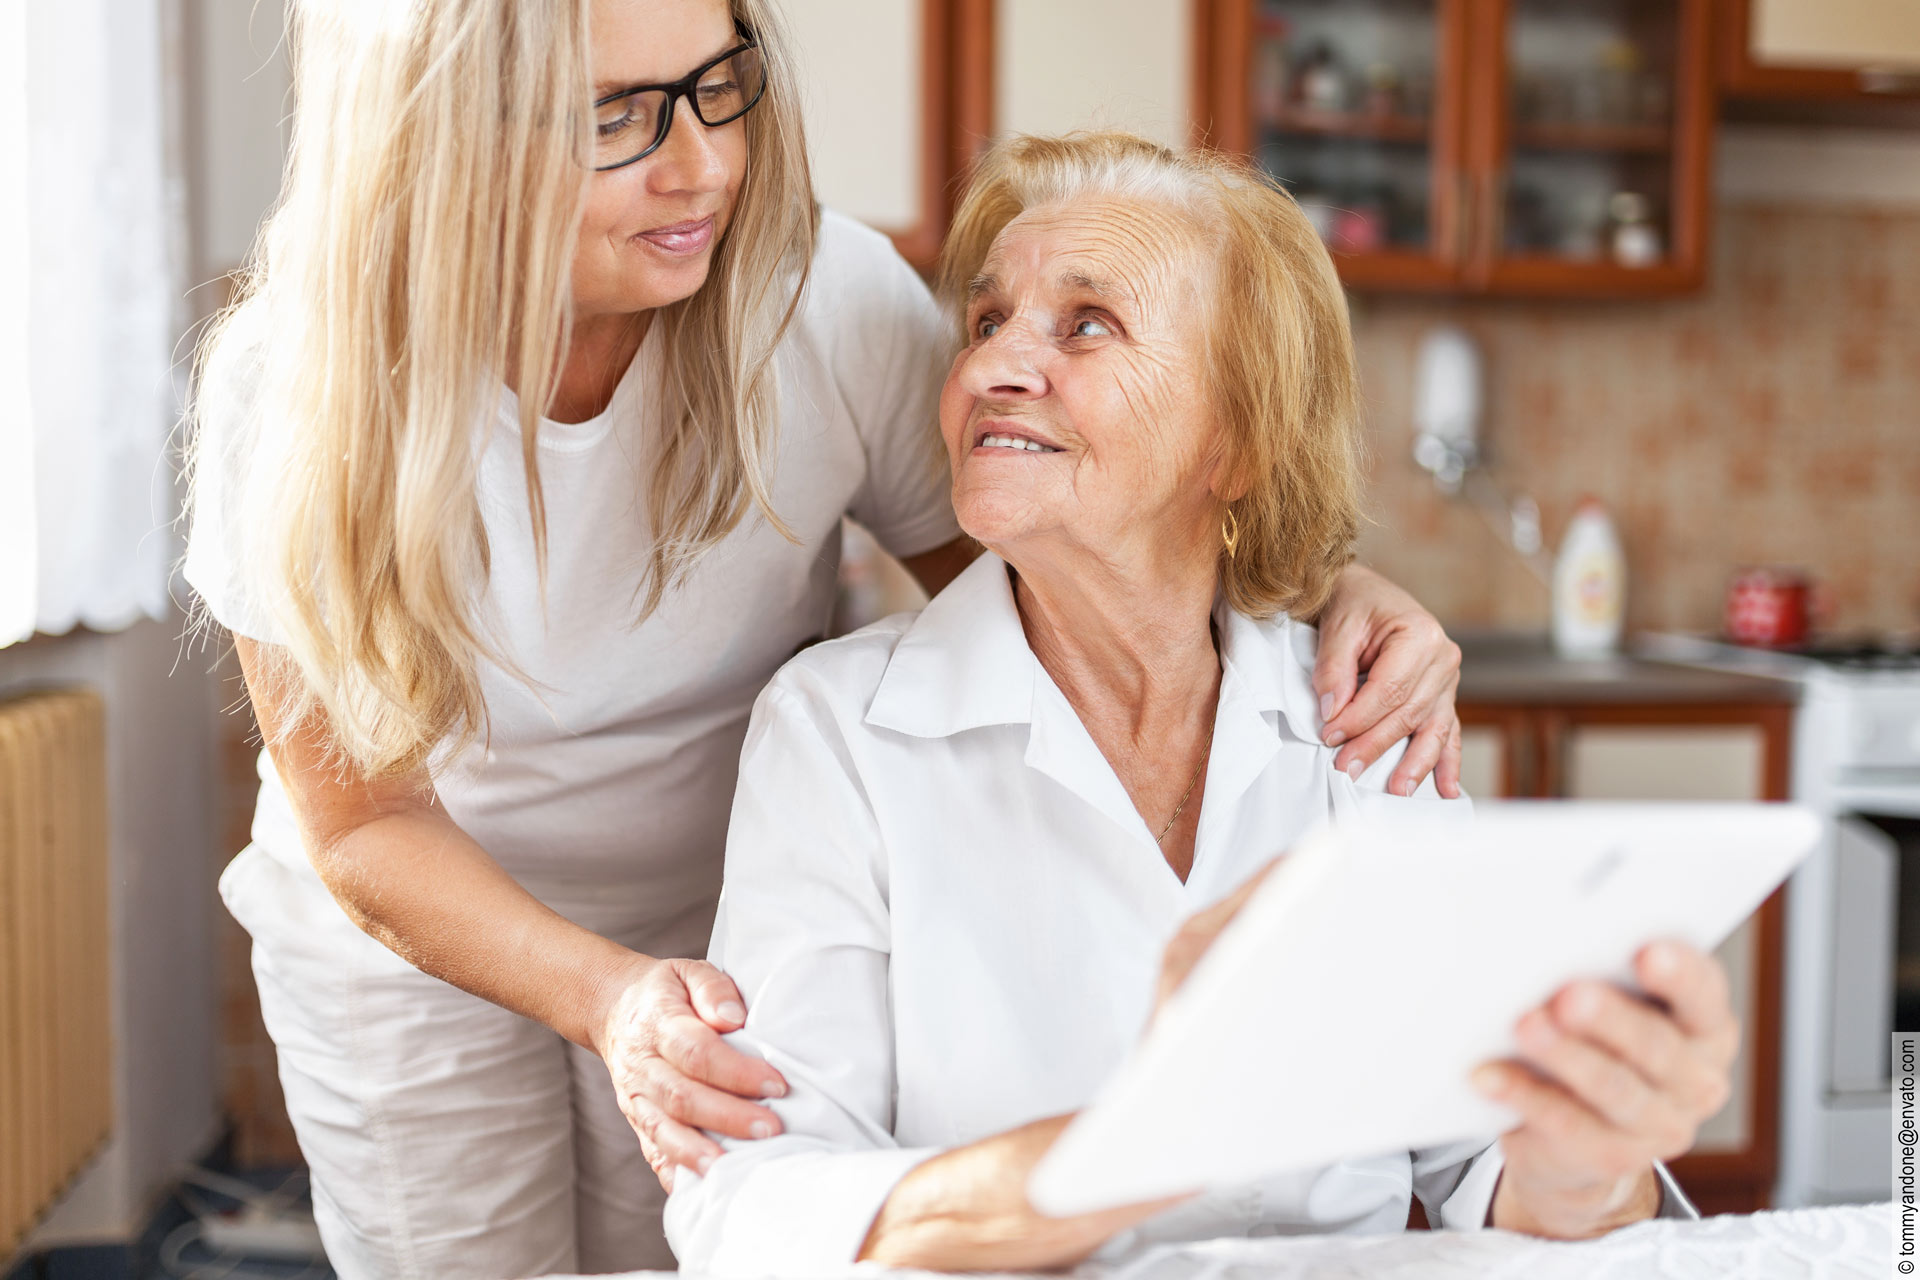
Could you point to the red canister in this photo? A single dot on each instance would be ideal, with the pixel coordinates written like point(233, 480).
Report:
point(1770, 608)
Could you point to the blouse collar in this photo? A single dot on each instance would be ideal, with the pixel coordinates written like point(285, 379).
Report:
point(964, 663)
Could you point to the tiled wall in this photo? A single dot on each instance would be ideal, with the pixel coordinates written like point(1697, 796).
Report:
point(1772, 419)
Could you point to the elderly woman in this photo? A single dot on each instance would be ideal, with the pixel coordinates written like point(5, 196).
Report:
point(963, 840)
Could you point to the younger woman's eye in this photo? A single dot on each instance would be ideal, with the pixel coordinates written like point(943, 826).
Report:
point(612, 118)
point(1089, 327)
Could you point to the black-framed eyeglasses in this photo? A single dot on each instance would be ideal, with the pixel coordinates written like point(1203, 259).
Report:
point(631, 124)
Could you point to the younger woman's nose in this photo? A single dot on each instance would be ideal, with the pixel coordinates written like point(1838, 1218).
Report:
point(687, 160)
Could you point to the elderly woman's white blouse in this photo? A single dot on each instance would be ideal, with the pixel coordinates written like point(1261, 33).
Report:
point(947, 919)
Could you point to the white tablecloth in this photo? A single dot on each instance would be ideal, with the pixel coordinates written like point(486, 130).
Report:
point(1805, 1244)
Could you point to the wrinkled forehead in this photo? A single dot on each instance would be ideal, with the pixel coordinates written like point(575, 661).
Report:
point(1147, 253)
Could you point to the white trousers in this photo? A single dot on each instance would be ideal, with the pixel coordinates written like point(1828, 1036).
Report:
point(447, 1137)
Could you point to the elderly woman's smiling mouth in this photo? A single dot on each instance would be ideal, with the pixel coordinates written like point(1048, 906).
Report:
point(998, 437)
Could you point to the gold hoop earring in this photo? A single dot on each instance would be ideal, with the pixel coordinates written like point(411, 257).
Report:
point(1230, 532)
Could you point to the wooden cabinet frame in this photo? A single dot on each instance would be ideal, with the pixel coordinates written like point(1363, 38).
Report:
point(1741, 77)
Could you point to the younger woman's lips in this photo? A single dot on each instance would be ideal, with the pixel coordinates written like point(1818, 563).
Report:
point(682, 238)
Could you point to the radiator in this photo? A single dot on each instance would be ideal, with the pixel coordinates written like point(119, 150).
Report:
point(55, 1090)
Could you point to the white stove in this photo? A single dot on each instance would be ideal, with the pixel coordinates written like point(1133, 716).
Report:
point(1852, 962)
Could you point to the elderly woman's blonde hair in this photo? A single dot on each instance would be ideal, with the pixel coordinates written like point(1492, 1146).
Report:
point(1279, 348)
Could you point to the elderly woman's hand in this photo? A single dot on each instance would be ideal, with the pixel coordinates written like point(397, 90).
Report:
point(1614, 1083)
point(1412, 671)
point(659, 1025)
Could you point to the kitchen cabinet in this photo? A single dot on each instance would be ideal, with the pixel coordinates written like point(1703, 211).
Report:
point(1534, 728)
point(1831, 50)
point(1536, 147)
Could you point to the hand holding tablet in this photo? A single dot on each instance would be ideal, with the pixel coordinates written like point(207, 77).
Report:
point(1344, 1009)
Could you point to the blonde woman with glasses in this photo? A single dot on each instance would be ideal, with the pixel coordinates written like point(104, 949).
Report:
point(519, 468)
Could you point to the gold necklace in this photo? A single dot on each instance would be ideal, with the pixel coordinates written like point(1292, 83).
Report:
point(1192, 782)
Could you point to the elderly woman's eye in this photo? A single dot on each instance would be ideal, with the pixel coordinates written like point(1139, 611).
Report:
point(1091, 327)
point(986, 327)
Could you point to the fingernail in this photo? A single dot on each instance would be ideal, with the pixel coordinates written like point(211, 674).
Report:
point(729, 1011)
point(1664, 959)
point(1335, 737)
point(1489, 1080)
point(1355, 768)
point(760, 1129)
point(1327, 703)
point(772, 1089)
point(1577, 1006)
point(706, 1163)
point(1403, 788)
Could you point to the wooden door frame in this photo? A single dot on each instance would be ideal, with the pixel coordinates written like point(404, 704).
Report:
point(956, 104)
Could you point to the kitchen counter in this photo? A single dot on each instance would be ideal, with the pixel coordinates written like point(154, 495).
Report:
point(1506, 668)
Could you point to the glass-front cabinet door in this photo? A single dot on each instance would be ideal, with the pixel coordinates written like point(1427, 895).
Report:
point(1591, 175)
point(1482, 146)
point(1354, 105)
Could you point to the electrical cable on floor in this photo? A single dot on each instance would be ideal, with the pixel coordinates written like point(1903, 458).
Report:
point(282, 1203)
point(282, 1197)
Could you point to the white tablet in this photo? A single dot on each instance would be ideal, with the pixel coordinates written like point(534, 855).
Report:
point(1341, 1012)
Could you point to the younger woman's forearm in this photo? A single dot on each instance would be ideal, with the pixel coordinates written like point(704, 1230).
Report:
point(967, 1210)
point(416, 882)
point(406, 873)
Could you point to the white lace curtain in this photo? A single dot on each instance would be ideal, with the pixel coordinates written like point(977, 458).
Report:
point(89, 278)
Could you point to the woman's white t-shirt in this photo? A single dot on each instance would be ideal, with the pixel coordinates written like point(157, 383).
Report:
point(604, 785)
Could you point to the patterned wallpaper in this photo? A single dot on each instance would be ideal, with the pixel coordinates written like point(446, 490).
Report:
point(1774, 418)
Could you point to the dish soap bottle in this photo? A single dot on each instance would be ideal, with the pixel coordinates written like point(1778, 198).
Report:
point(1589, 585)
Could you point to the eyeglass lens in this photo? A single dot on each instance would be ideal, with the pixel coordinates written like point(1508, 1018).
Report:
point(634, 124)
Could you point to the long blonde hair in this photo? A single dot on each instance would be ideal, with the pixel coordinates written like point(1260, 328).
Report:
point(417, 260)
point(1279, 346)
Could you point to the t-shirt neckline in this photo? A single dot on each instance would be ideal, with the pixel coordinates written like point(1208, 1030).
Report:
point(574, 437)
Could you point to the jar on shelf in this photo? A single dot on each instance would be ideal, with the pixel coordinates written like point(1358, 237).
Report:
point(1383, 90)
point(1635, 240)
point(1321, 84)
point(1361, 225)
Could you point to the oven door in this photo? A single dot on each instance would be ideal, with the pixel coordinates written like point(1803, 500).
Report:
point(1874, 981)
